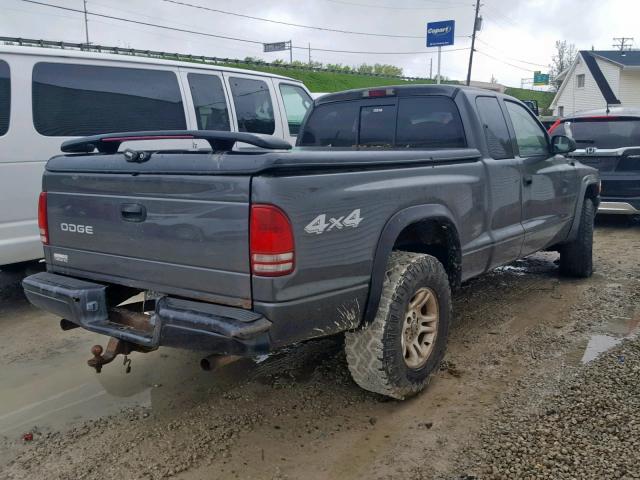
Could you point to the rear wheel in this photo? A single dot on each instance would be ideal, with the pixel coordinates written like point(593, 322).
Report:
point(397, 353)
point(576, 258)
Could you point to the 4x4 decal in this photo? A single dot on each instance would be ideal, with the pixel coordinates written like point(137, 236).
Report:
point(320, 225)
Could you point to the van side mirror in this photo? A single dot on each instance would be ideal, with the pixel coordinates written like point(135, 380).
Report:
point(562, 144)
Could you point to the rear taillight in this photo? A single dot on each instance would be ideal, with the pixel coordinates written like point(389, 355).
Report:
point(42, 218)
point(271, 242)
point(555, 125)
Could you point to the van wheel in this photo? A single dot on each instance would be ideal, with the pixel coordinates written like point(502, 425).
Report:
point(576, 258)
point(397, 353)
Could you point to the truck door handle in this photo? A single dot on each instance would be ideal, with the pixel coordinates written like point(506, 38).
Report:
point(133, 212)
point(527, 179)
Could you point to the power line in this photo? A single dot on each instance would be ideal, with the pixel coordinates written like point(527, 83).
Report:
point(139, 22)
point(206, 34)
point(511, 58)
point(384, 53)
point(289, 24)
point(502, 61)
point(445, 6)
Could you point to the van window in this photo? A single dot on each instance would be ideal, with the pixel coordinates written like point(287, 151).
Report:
point(253, 105)
point(296, 103)
point(331, 125)
point(5, 97)
point(495, 128)
point(209, 102)
point(76, 100)
point(429, 122)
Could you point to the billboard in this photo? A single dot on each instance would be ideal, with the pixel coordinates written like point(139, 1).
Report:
point(440, 34)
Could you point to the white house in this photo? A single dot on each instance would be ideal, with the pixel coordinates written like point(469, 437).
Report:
point(597, 79)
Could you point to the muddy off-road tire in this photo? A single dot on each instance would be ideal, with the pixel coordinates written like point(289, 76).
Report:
point(397, 353)
point(576, 258)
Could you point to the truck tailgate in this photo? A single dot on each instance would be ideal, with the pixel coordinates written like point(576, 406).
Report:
point(174, 233)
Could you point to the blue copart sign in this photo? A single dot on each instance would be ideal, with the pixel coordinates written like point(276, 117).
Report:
point(440, 34)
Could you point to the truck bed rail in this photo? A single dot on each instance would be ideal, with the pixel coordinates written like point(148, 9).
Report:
point(219, 140)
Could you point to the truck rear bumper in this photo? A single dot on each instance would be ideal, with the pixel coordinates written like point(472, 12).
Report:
point(175, 322)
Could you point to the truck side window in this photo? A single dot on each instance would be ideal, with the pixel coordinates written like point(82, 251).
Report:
point(209, 102)
point(296, 103)
point(331, 125)
point(377, 124)
point(530, 136)
point(495, 128)
point(429, 122)
point(253, 105)
point(5, 97)
point(75, 100)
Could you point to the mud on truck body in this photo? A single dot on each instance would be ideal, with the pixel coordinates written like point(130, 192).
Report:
point(391, 198)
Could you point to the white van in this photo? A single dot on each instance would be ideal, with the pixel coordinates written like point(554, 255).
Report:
point(49, 95)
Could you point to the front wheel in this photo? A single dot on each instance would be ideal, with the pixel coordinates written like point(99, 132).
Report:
point(397, 353)
point(576, 258)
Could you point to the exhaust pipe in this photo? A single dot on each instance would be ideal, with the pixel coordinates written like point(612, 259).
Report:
point(67, 325)
point(207, 363)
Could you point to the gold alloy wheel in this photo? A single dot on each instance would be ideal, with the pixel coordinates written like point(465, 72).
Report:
point(420, 328)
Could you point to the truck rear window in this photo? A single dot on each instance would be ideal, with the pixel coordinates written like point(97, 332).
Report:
point(5, 97)
point(76, 100)
point(410, 122)
point(614, 132)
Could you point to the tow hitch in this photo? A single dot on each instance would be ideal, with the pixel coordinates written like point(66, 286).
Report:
point(115, 347)
point(128, 317)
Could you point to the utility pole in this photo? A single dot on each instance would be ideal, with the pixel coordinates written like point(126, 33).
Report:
point(86, 22)
point(623, 43)
point(473, 41)
point(309, 53)
point(290, 52)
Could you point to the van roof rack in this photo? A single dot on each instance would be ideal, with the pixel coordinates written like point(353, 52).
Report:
point(220, 141)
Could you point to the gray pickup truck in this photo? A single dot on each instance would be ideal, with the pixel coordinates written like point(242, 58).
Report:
point(391, 198)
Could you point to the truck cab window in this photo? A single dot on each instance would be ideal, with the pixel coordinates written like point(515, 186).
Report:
point(377, 125)
point(331, 125)
point(76, 100)
point(209, 102)
point(429, 122)
point(5, 97)
point(530, 136)
point(254, 108)
point(495, 128)
point(296, 103)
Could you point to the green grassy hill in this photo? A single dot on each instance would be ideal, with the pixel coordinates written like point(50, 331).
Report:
point(334, 82)
point(544, 98)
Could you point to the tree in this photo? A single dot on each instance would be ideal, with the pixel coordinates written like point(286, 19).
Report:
point(561, 60)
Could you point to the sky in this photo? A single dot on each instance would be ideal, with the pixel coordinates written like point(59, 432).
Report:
point(517, 36)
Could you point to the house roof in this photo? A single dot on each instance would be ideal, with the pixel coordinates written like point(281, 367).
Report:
point(627, 58)
point(598, 76)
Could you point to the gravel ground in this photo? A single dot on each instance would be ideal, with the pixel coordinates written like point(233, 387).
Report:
point(511, 400)
point(589, 429)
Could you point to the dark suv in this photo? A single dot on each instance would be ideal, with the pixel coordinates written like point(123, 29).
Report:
point(610, 142)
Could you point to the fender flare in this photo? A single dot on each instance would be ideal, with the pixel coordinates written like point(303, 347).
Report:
point(390, 232)
point(587, 181)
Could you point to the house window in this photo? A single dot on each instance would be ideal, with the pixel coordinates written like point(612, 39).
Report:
point(580, 80)
point(561, 111)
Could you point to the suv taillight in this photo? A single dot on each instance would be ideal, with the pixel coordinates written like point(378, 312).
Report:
point(271, 242)
point(42, 218)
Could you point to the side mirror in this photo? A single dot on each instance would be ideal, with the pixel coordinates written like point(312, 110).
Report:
point(562, 144)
